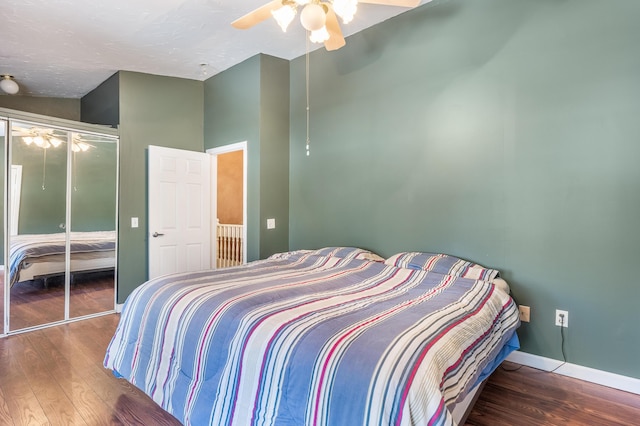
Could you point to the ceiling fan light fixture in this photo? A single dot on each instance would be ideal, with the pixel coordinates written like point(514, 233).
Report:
point(319, 36)
point(39, 141)
point(55, 142)
point(284, 16)
point(313, 17)
point(8, 84)
point(345, 9)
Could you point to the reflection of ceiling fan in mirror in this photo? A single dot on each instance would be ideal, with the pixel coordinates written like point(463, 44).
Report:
point(40, 137)
point(52, 138)
point(320, 18)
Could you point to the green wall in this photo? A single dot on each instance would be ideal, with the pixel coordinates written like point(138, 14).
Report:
point(154, 110)
point(250, 102)
point(501, 131)
point(274, 154)
point(66, 108)
point(102, 104)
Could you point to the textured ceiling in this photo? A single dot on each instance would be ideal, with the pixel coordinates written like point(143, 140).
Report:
point(66, 48)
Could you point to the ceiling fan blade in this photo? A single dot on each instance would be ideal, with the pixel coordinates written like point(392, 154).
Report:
point(19, 131)
point(260, 14)
point(336, 39)
point(401, 3)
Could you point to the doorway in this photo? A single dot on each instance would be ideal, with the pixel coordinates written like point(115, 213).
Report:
point(229, 204)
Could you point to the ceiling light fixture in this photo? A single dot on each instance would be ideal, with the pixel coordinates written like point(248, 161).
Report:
point(313, 17)
point(8, 84)
point(284, 16)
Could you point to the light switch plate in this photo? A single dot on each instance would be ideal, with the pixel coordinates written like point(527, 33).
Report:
point(134, 222)
point(525, 313)
point(271, 223)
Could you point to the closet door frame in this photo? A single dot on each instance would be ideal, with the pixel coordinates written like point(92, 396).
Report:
point(9, 116)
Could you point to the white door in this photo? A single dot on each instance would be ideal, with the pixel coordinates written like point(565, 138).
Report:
point(179, 211)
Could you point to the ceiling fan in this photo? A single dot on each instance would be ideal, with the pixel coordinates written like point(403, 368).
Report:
point(318, 17)
point(52, 138)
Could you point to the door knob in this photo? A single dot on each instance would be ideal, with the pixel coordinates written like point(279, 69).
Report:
point(155, 234)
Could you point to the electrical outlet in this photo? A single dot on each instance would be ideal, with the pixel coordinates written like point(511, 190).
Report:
point(562, 318)
point(525, 313)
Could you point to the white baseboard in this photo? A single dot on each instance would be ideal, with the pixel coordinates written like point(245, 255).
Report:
point(119, 307)
point(612, 380)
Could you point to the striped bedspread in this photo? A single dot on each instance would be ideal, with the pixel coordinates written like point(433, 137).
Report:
point(307, 339)
point(26, 247)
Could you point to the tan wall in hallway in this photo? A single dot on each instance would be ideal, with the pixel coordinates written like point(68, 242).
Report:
point(230, 187)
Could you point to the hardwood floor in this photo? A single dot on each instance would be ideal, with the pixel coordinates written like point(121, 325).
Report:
point(533, 397)
point(33, 303)
point(55, 376)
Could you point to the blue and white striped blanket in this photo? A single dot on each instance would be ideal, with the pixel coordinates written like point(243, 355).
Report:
point(304, 339)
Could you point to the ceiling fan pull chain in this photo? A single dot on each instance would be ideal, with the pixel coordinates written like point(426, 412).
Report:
point(44, 168)
point(307, 84)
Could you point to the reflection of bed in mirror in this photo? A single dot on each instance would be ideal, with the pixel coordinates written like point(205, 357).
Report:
point(35, 256)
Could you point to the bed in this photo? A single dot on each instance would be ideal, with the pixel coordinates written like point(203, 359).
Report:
point(34, 256)
point(336, 336)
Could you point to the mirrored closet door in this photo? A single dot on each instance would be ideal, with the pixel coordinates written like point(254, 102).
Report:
point(37, 222)
point(61, 225)
point(92, 228)
point(3, 144)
